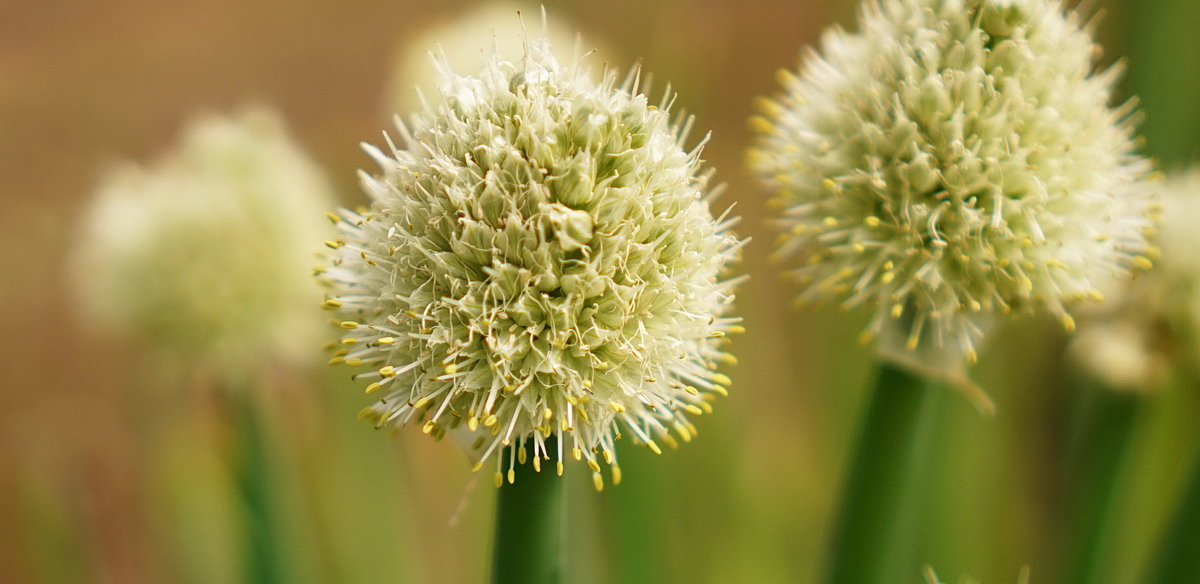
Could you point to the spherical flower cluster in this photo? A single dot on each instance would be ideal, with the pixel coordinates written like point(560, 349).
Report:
point(539, 269)
point(951, 160)
point(206, 255)
point(464, 45)
point(1149, 328)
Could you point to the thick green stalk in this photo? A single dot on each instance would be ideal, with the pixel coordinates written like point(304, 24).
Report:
point(1101, 455)
point(1179, 552)
point(264, 562)
point(530, 528)
point(875, 538)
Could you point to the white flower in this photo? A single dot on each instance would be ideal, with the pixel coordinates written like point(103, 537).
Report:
point(1149, 328)
point(538, 261)
point(952, 160)
point(464, 45)
point(207, 254)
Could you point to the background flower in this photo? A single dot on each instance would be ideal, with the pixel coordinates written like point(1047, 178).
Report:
point(953, 159)
point(205, 256)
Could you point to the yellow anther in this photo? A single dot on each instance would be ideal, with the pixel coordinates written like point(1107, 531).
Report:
point(616, 475)
point(387, 371)
point(478, 465)
point(653, 447)
point(716, 334)
point(522, 454)
point(372, 388)
point(887, 277)
point(889, 265)
point(911, 345)
point(349, 341)
point(336, 360)
point(1142, 262)
point(691, 390)
point(608, 456)
point(537, 464)
point(428, 426)
point(682, 431)
point(349, 324)
point(721, 378)
point(975, 306)
point(830, 221)
point(577, 454)
point(368, 414)
point(559, 470)
point(472, 423)
point(897, 310)
point(592, 464)
point(1068, 322)
point(332, 303)
point(693, 409)
point(972, 356)
point(721, 390)
point(707, 407)
point(512, 476)
point(872, 221)
point(598, 481)
point(761, 125)
point(385, 340)
point(865, 337)
point(451, 369)
point(547, 414)
point(490, 420)
point(334, 244)
point(616, 407)
point(354, 361)
point(499, 479)
point(422, 403)
point(411, 314)
point(736, 329)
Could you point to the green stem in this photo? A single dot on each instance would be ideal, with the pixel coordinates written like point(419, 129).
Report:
point(875, 537)
point(263, 561)
point(1179, 552)
point(530, 528)
point(1102, 454)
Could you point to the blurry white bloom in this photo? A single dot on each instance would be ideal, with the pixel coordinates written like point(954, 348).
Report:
point(1147, 328)
point(207, 254)
point(466, 43)
point(539, 261)
point(952, 160)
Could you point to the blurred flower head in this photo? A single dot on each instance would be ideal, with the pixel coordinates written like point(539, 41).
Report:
point(1149, 328)
point(539, 262)
point(206, 255)
point(464, 45)
point(951, 160)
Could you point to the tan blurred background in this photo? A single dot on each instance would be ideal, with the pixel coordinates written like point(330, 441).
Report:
point(107, 476)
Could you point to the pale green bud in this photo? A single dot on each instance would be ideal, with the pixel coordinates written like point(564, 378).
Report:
point(539, 260)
